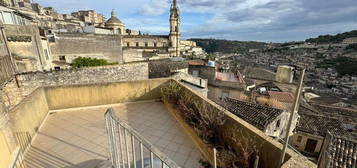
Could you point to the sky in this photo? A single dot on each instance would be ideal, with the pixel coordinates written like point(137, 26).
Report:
point(244, 20)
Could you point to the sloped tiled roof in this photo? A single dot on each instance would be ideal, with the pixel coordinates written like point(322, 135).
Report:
point(318, 121)
point(337, 112)
point(258, 115)
point(342, 152)
point(318, 124)
point(282, 96)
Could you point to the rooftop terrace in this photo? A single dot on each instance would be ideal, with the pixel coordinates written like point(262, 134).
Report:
point(63, 126)
point(77, 138)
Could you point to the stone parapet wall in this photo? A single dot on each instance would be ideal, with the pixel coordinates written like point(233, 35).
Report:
point(12, 95)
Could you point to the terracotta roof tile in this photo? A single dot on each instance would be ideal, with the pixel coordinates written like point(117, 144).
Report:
point(282, 96)
point(258, 115)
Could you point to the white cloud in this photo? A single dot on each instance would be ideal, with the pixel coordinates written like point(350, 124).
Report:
point(155, 8)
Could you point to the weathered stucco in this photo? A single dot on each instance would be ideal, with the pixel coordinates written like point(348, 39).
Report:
point(99, 94)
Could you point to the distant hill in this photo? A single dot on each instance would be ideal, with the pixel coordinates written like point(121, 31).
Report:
point(228, 46)
point(332, 38)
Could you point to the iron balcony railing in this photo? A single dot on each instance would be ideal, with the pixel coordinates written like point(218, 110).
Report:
point(17, 159)
point(129, 149)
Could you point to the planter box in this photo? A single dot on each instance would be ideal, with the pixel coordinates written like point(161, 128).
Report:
point(204, 148)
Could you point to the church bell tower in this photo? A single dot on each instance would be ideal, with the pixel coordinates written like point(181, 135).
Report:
point(174, 30)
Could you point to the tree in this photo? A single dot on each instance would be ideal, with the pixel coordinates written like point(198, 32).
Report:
point(89, 62)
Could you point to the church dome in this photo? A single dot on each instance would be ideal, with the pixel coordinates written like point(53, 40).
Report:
point(113, 20)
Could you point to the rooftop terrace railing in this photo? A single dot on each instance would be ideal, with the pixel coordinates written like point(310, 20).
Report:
point(129, 149)
point(17, 160)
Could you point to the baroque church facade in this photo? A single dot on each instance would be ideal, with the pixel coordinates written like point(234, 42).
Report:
point(138, 47)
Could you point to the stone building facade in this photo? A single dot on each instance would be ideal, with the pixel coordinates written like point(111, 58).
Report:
point(352, 40)
point(89, 16)
point(140, 47)
point(6, 68)
point(25, 45)
point(68, 46)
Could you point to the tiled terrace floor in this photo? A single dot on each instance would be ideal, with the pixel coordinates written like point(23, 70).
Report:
point(76, 138)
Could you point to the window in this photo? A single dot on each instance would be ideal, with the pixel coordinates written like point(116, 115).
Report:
point(62, 58)
point(46, 54)
point(128, 44)
point(1, 20)
point(278, 124)
point(146, 44)
point(137, 44)
point(155, 44)
point(8, 18)
point(195, 73)
point(310, 145)
point(299, 139)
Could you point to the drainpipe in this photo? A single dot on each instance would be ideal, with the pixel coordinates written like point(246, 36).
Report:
point(13, 65)
point(292, 114)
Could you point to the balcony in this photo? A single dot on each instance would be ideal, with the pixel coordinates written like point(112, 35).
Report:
point(78, 137)
point(64, 126)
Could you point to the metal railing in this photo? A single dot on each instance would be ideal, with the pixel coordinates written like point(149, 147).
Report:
point(129, 149)
point(17, 159)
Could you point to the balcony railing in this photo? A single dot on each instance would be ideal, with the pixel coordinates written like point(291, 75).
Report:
point(129, 149)
point(17, 159)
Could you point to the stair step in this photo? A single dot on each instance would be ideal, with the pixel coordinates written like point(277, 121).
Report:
point(105, 164)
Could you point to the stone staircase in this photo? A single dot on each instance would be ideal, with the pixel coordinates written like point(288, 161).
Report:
point(104, 164)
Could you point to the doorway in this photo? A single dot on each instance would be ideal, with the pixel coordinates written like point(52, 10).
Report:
point(310, 146)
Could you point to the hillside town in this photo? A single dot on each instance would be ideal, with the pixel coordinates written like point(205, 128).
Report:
point(324, 80)
point(80, 90)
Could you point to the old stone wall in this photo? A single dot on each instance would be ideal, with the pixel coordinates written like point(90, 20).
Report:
point(164, 69)
point(73, 45)
point(30, 81)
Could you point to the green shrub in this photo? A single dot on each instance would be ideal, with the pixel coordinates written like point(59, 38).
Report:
point(89, 62)
point(343, 65)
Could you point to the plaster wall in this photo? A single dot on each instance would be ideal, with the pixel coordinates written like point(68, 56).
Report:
point(284, 74)
point(215, 93)
point(5, 151)
point(304, 137)
point(100, 94)
point(30, 113)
